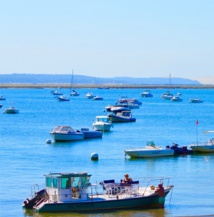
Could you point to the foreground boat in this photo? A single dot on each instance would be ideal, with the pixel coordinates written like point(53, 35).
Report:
point(73, 192)
point(151, 150)
point(66, 133)
point(124, 116)
point(207, 147)
point(11, 110)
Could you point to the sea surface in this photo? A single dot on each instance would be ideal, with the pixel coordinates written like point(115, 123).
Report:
point(25, 156)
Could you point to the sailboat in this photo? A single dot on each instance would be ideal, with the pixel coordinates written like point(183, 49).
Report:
point(73, 92)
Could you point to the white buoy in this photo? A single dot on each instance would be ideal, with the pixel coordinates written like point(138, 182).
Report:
point(48, 141)
point(94, 156)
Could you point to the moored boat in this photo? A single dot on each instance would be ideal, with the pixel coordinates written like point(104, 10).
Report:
point(89, 96)
point(89, 134)
point(146, 93)
point(74, 93)
point(123, 116)
point(66, 133)
point(102, 123)
point(195, 100)
point(207, 147)
point(2, 98)
point(167, 95)
point(176, 99)
point(73, 192)
point(63, 98)
point(180, 150)
point(11, 110)
point(97, 98)
point(151, 150)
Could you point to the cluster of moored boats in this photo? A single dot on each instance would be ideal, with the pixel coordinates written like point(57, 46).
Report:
point(169, 96)
point(151, 150)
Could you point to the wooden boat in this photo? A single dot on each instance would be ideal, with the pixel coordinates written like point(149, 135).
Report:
point(66, 133)
point(73, 192)
point(123, 116)
point(151, 150)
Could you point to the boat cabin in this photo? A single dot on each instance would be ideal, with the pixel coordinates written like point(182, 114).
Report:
point(102, 119)
point(65, 187)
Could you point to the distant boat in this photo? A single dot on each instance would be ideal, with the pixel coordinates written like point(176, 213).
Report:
point(167, 95)
point(1, 105)
point(146, 93)
point(73, 93)
point(97, 98)
point(2, 98)
point(11, 110)
point(150, 151)
point(195, 100)
point(63, 98)
point(89, 96)
point(176, 99)
point(180, 150)
point(56, 93)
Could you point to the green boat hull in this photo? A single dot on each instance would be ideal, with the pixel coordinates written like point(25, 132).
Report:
point(95, 205)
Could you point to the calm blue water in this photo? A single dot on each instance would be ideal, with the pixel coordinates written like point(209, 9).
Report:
point(25, 156)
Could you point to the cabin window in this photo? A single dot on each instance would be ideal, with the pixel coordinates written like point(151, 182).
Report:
point(65, 183)
point(51, 183)
point(76, 181)
point(48, 182)
point(55, 183)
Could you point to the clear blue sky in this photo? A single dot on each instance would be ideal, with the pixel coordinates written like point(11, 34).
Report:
point(108, 38)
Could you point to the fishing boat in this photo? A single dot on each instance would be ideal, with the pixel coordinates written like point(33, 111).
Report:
point(146, 93)
point(102, 123)
point(195, 100)
point(73, 192)
point(206, 146)
point(89, 134)
point(151, 150)
point(11, 110)
point(123, 116)
point(66, 133)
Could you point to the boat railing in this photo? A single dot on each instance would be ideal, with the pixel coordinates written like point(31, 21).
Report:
point(154, 182)
point(34, 189)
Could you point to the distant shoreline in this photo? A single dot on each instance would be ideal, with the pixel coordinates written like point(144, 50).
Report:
point(105, 86)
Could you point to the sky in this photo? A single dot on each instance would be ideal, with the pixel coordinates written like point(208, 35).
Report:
point(108, 38)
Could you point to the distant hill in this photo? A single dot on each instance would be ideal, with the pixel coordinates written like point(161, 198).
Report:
point(82, 79)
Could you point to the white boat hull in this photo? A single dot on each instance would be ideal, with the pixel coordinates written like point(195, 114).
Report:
point(67, 137)
point(102, 127)
point(146, 153)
